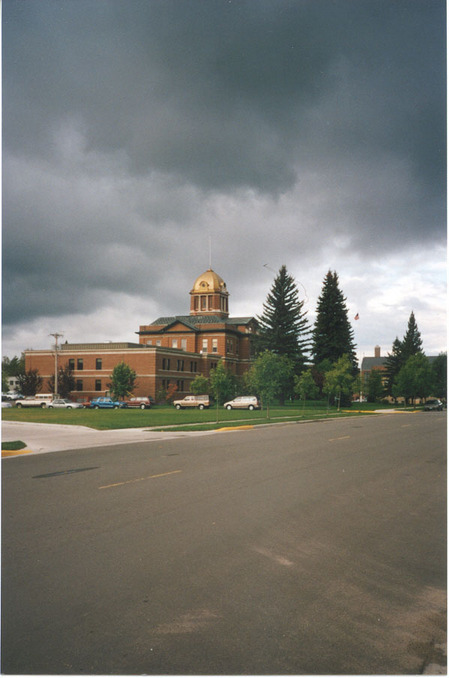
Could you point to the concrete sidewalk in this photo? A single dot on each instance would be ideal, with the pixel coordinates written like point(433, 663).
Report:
point(42, 438)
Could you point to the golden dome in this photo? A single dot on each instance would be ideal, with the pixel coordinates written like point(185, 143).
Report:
point(208, 283)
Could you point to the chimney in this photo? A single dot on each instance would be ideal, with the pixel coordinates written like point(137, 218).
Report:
point(377, 351)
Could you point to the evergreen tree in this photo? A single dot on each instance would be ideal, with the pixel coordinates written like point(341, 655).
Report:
point(333, 335)
point(393, 363)
point(412, 342)
point(284, 328)
point(401, 351)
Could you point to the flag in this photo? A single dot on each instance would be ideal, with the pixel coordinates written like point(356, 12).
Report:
point(356, 317)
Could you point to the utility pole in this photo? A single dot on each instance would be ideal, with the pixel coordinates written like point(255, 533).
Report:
point(56, 335)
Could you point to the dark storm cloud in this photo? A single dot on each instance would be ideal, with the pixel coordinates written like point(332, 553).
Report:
point(134, 130)
point(224, 93)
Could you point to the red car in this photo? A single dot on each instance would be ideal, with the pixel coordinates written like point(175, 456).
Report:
point(139, 401)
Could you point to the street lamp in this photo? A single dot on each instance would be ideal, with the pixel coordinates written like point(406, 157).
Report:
point(56, 335)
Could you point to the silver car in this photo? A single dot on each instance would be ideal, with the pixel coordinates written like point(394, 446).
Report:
point(243, 403)
point(65, 404)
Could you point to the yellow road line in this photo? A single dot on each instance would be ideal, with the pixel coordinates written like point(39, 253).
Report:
point(138, 480)
point(236, 428)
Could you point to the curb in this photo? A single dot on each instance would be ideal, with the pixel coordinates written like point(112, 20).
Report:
point(13, 453)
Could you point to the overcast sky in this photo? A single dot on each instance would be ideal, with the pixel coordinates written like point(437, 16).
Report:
point(309, 133)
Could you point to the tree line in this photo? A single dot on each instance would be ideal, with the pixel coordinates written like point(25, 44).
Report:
point(292, 358)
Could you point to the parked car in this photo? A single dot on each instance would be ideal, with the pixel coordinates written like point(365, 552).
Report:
point(139, 401)
point(64, 403)
point(106, 403)
point(39, 400)
point(199, 401)
point(5, 401)
point(243, 403)
point(433, 404)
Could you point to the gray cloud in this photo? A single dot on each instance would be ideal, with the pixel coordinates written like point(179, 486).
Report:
point(305, 132)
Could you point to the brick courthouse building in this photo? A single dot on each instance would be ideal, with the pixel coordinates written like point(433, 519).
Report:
point(171, 350)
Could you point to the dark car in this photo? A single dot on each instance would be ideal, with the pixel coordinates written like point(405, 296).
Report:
point(433, 404)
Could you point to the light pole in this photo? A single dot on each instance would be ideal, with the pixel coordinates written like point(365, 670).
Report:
point(56, 335)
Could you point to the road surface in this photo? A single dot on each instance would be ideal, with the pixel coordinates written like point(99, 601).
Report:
point(315, 548)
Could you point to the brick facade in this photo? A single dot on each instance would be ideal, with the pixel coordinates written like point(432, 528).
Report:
point(171, 351)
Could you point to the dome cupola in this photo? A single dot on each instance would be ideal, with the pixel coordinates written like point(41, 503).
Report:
point(209, 295)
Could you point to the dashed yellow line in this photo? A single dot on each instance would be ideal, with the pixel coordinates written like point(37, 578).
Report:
point(138, 480)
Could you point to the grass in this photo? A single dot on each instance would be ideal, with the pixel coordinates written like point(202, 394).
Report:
point(167, 416)
point(14, 445)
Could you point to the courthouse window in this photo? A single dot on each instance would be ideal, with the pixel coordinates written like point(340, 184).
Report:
point(79, 384)
point(79, 364)
point(98, 364)
point(71, 363)
point(98, 384)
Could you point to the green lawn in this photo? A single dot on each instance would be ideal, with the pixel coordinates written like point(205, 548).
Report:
point(163, 416)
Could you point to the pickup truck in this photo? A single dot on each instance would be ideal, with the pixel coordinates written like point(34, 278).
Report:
point(106, 403)
point(199, 401)
point(41, 400)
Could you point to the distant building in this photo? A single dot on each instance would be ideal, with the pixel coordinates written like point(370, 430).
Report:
point(171, 351)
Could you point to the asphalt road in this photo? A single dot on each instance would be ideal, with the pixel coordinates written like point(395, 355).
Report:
point(314, 548)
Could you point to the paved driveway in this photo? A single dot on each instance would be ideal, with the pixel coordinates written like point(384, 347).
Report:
point(41, 438)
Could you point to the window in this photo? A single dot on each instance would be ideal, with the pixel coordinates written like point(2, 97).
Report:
point(158, 342)
point(79, 384)
point(98, 364)
point(180, 384)
point(193, 366)
point(184, 344)
point(79, 364)
point(149, 342)
point(209, 302)
point(205, 345)
point(174, 343)
point(165, 383)
point(213, 366)
point(71, 363)
point(214, 345)
point(180, 366)
point(98, 384)
point(203, 303)
point(166, 363)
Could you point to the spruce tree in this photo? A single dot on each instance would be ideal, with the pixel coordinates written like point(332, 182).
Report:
point(412, 342)
point(333, 335)
point(393, 363)
point(283, 326)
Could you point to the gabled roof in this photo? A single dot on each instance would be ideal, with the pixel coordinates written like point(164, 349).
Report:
point(370, 363)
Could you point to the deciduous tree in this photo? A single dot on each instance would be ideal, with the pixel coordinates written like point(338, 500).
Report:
point(66, 382)
point(269, 375)
point(30, 382)
point(414, 379)
point(339, 381)
point(123, 381)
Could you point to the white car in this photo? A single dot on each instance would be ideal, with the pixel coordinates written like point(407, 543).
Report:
point(243, 403)
point(65, 404)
